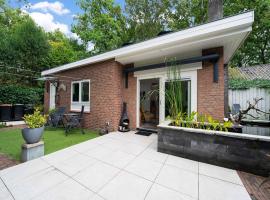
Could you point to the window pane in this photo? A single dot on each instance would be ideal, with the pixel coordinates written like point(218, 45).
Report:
point(75, 89)
point(177, 93)
point(85, 91)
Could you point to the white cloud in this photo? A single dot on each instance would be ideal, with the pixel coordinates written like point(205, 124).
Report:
point(56, 7)
point(47, 21)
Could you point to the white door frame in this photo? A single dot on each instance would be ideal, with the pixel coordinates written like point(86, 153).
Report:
point(161, 74)
point(52, 96)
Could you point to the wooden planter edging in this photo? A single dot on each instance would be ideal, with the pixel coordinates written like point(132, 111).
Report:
point(232, 150)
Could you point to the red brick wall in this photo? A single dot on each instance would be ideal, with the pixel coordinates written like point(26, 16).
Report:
point(107, 93)
point(211, 95)
point(130, 96)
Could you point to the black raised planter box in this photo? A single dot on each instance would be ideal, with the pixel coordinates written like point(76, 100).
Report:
point(5, 112)
point(248, 153)
point(18, 112)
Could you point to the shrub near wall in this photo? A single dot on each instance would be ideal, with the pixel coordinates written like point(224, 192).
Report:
point(14, 94)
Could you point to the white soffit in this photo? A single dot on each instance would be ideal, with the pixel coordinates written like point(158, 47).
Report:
point(228, 32)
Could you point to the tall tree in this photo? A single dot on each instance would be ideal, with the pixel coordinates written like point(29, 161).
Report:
point(187, 13)
point(23, 46)
point(146, 18)
point(102, 23)
point(63, 50)
point(255, 50)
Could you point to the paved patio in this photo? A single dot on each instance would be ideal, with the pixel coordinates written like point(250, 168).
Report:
point(119, 166)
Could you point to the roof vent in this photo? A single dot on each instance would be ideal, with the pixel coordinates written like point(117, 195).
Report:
point(127, 43)
point(163, 33)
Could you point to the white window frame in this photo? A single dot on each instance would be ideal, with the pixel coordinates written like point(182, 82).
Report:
point(77, 105)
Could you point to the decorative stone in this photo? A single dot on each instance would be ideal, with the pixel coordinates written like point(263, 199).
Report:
point(32, 151)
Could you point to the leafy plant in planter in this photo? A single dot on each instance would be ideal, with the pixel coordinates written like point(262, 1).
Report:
point(195, 120)
point(35, 123)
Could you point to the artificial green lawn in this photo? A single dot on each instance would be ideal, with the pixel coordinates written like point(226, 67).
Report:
point(54, 139)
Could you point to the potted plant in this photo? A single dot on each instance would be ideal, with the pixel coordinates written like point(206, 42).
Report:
point(35, 122)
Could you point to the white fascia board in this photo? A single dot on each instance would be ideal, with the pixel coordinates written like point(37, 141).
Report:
point(243, 20)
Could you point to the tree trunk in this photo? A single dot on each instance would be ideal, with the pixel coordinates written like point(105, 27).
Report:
point(215, 10)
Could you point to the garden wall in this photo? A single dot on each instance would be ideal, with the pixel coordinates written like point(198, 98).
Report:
point(232, 150)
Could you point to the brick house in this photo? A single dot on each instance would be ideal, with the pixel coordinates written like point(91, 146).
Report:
point(103, 82)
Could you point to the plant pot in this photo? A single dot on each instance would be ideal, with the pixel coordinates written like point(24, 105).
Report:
point(5, 112)
point(32, 135)
point(18, 111)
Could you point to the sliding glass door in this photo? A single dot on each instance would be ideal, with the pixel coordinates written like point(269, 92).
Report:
point(177, 92)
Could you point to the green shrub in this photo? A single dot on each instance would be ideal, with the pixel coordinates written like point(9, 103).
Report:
point(14, 94)
point(242, 84)
point(35, 120)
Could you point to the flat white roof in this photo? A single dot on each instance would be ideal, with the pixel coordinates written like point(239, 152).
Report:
point(228, 32)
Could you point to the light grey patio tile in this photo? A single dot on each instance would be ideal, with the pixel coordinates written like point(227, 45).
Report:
point(118, 159)
point(37, 184)
point(151, 154)
point(132, 148)
point(153, 146)
point(220, 173)
point(96, 176)
point(96, 197)
point(85, 146)
point(113, 144)
point(159, 192)
point(74, 164)
point(18, 173)
point(183, 163)
point(147, 169)
point(213, 189)
point(98, 152)
point(4, 193)
point(69, 190)
point(183, 181)
point(59, 156)
point(126, 186)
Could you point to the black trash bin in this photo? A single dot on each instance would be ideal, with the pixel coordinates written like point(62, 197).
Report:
point(18, 112)
point(5, 112)
point(28, 109)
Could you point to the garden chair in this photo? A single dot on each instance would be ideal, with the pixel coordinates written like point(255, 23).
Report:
point(56, 118)
point(75, 121)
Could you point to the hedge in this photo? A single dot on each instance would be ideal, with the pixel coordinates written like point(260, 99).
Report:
point(14, 94)
point(241, 84)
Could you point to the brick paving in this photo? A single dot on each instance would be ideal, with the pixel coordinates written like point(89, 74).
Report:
point(252, 184)
point(6, 161)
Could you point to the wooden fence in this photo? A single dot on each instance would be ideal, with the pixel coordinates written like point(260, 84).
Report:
point(242, 96)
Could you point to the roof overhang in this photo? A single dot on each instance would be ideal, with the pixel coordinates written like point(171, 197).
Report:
point(228, 32)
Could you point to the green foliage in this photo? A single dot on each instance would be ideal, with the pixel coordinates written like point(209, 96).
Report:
point(145, 19)
point(14, 94)
point(173, 92)
point(200, 121)
point(63, 50)
point(35, 120)
point(255, 49)
point(102, 23)
point(2, 125)
point(241, 84)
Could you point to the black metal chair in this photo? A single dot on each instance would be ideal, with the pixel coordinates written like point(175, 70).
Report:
point(75, 121)
point(56, 118)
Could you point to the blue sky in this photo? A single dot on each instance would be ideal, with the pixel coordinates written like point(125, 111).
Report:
point(54, 14)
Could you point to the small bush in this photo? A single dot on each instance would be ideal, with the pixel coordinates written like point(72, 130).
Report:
point(14, 94)
point(35, 120)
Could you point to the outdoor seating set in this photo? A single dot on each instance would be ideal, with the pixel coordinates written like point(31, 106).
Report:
point(67, 120)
